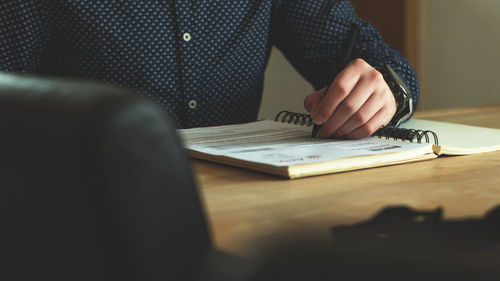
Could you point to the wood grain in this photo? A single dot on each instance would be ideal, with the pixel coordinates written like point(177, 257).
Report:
point(250, 210)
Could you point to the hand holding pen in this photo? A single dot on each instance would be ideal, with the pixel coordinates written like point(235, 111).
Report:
point(356, 103)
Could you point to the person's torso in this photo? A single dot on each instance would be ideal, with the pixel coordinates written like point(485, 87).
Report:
point(202, 60)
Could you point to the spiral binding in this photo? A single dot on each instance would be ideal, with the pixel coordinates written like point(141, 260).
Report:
point(294, 118)
point(387, 131)
point(407, 134)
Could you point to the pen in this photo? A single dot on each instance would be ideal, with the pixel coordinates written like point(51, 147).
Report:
point(346, 53)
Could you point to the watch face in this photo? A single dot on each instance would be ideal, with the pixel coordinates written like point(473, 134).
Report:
point(405, 113)
point(401, 87)
point(401, 94)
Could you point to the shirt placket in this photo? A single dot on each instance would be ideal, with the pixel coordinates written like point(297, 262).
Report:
point(187, 36)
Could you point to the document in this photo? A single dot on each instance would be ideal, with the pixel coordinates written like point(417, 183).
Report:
point(288, 150)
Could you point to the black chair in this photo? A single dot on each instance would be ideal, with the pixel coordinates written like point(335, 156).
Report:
point(95, 186)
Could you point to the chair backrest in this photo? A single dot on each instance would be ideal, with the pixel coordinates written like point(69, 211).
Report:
point(94, 185)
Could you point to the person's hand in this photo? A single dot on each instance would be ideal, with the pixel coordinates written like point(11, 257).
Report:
point(357, 104)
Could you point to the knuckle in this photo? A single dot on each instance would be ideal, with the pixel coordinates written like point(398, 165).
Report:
point(359, 62)
point(361, 117)
point(341, 88)
point(349, 107)
point(376, 76)
point(384, 95)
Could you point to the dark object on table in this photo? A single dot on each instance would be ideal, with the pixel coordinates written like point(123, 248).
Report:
point(398, 243)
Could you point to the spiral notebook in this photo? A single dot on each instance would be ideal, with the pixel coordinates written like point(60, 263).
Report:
point(284, 147)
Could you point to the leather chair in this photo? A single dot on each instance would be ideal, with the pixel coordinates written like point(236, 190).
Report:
point(95, 186)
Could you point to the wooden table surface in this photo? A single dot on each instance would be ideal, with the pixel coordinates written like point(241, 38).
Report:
point(249, 210)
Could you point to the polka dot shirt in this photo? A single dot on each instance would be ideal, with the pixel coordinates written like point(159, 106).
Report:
point(203, 61)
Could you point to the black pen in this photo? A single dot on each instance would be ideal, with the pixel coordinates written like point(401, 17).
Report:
point(346, 53)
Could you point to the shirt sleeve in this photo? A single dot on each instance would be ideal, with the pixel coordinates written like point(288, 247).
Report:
point(309, 33)
point(21, 35)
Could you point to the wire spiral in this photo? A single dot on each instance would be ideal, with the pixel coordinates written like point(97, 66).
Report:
point(385, 132)
point(294, 118)
point(407, 134)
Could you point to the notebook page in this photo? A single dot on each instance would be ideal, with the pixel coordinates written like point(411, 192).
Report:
point(280, 144)
point(456, 139)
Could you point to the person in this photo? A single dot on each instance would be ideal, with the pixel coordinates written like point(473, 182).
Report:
point(204, 61)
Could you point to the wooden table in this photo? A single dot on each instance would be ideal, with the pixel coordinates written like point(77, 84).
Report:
point(248, 210)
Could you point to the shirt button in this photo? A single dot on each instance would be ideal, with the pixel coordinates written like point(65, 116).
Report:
point(186, 36)
point(192, 104)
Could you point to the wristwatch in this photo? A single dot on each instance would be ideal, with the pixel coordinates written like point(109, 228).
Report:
point(401, 93)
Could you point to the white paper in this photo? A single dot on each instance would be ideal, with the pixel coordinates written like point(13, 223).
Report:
point(281, 144)
point(459, 139)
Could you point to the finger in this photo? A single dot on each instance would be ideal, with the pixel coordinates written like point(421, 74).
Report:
point(340, 88)
point(361, 116)
point(370, 127)
point(313, 99)
point(349, 106)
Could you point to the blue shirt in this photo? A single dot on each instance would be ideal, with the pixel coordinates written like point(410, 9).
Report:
point(203, 60)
